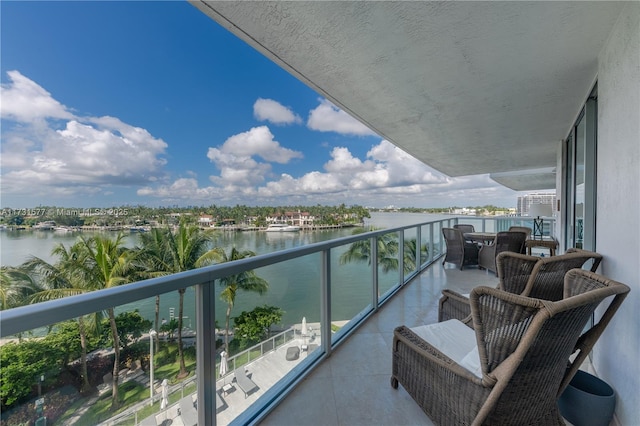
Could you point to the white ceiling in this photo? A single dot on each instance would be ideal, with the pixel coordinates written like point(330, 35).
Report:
point(466, 87)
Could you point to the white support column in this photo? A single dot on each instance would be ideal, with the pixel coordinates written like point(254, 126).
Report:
point(325, 302)
point(205, 353)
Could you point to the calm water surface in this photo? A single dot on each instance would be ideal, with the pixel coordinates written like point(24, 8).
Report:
point(294, 286)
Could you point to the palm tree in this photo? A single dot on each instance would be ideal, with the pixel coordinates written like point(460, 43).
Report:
point(410, 254)
point(65, 278)
point(245, 281)
point(164, 252)
point(16, 285)
point(154, 263)
point(360, 251)
point(109, 264)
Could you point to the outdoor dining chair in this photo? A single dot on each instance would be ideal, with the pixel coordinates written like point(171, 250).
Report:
point(459, 251)
point(512, 365)
point(524, 229)
point(465, 227)
point(504, 241)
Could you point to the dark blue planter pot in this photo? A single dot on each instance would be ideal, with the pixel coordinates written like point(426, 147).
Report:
point(587, 401)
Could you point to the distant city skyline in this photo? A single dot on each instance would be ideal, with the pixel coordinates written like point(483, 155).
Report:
point(103, 106)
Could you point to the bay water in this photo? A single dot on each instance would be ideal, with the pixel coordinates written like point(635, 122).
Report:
point(294, 285)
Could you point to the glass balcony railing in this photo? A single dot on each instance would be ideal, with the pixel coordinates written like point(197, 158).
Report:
point(67, 357)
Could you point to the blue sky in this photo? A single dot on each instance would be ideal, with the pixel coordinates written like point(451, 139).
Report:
point(153, 103)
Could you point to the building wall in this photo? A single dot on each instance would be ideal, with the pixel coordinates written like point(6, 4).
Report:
point(617, 354)
point(525, 201)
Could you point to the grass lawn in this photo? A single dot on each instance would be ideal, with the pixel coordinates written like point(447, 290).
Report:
point(131, 393)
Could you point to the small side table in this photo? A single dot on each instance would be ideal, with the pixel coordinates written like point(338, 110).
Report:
point(544, 242)
point(227, 388)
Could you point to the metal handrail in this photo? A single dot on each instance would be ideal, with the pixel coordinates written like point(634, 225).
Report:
point(24, 318)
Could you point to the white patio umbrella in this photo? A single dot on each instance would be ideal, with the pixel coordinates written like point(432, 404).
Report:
point(303, 329)
point(165, 394)
point(223, 363)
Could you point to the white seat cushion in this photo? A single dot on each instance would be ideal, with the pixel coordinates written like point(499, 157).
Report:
point(455, 340)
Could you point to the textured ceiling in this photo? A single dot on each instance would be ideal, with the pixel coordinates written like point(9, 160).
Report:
point(527, 180)
point(466, 87)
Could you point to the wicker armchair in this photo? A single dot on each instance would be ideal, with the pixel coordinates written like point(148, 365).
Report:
point(547, 276)
point(539, 277)
point(465, 227)
point(518, 360)
point(524, 229)
point(459, 251)
point(504, 241)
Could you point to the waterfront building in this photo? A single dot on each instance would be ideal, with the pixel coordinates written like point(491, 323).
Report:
point(205, 220)
point(465, 211)
point(298, 218)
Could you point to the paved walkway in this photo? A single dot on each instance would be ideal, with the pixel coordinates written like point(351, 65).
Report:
point(82, 410)
point(264, 371)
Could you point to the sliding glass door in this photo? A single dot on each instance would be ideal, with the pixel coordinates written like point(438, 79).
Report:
point(580, 189)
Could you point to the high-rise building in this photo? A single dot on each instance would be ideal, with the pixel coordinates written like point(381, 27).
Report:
point(525, 202)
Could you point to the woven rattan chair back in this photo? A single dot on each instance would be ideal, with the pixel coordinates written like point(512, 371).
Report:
point(546, 278)
point(512, 241)
point(464, 227)
point(524, 229)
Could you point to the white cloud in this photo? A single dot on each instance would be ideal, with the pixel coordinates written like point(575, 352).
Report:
point(387, 176)
point(181, 189)
point(84, 155)
point(326, 117)
point(402, 168)
point(259, 141)
point(48, 151)
point(274, 112)
point(237, 169)
point(25, 101)
point(236, 162)
point(342, 161)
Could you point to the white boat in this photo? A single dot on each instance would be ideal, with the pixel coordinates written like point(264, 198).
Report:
point(62, 229)
point(282, 227)
point(140, 228)
point(45, 226)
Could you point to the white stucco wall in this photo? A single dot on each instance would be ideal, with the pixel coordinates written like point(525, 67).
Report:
point(617, 354)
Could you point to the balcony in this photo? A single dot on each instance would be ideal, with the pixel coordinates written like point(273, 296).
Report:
point(352, 386)
point(342, 376)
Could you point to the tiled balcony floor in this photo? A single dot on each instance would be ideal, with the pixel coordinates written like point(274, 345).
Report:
point(352, 386)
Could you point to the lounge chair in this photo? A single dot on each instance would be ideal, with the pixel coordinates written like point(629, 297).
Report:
point(511, 367)
point(188, 412)
point(244, 382)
